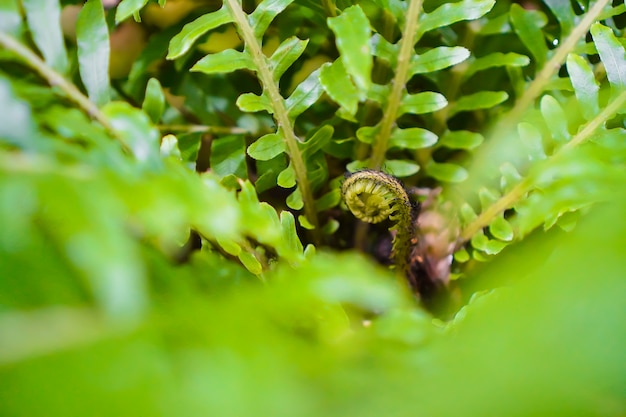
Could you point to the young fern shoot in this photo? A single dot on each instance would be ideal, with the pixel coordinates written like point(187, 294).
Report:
point(373, 197)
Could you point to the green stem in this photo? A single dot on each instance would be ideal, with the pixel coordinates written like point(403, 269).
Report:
point(329, 8)
point(280, 111)
point(55, 79)
point(390, 113)
point(520, 190)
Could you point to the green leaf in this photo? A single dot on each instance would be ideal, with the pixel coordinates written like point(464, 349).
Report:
point(305, 94)
point(467, 213)
point(461, 139)
point(339, 86)
point(564, 13)
point(154, 101)
point(487, 197)
point(329, 200)
point(10, 17)
point(264, 13)
point(251, 263)
point(287, 177)
point(384, 49)
point(228, 156)
point(291, 246)
point(16, 121)
point(436, 59)
point(316, 142)
point(46, 34)
point(480, 100)
point(294, 200)
point(450, 13)
point(401, 168)
point(527, 25)
point(352, 35)
point(189, 145)
point(285, 55)
point(501, 229)
point(496, 59)
point(555, 119)
point(532, 140)
point(182, 42)
point(446, 172)
point(412, 138)
point(367, 134)
point(250, 102)
point(92, 37)
point(421, 103)
point(612, 55)
point(228, 60)
point(585, 85)
point(134, 128)
point(510, 177)
point(126, 8)
point(267, 147)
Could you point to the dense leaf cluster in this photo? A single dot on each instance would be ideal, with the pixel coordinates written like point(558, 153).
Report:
point(172, 234)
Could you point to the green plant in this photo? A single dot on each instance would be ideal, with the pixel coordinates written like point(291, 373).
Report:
point(172, 230)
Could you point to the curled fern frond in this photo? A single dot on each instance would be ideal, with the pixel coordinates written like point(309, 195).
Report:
point(373, 196)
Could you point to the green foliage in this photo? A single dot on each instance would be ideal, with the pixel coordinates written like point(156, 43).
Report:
point(173, 237)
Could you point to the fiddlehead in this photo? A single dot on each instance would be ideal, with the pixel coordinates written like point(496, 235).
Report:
point(373, 197)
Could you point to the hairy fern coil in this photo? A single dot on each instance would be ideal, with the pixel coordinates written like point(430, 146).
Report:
point(373, 196)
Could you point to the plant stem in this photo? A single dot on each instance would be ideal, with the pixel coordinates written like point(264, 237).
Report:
point(280, 111)
point(55, 79)
point(329, 8)
point(537, 86)
point(514, 195)
point(399, 83)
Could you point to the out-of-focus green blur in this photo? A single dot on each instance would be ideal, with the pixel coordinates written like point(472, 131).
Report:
point(550, 344)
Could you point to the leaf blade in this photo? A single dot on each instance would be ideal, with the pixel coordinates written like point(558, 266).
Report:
point(92, 36)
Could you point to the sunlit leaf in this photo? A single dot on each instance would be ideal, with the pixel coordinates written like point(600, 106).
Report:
point(532, 140)
point(126, 8)
point(437, 58)
point(191, 32)
point(224, 61)
point(92, 37)
point(461, 139)
point(554, 116)
point(267, 147)
point(305, 94)
point(480, 100)
point(496, 59)
point(10, 19)
point(250, 102)
point(339, 86)
point(412, 138)
point(154, 100)
point(612, 55)
point(450, 13)
point(527, 25)
point(47, 35)
point(501, 229)
point(352, 35)
point(585, 85)
point(135, 129)
point(286, 54)
point(420, 103)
